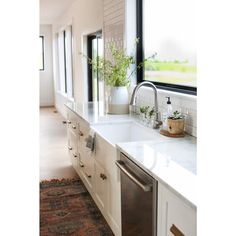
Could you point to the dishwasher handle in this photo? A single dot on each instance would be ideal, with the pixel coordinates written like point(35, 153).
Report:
point(124, 169)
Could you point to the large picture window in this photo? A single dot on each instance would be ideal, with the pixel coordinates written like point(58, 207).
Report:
point(167, 28)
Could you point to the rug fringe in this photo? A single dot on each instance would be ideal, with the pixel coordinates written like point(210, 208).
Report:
point(66, 180)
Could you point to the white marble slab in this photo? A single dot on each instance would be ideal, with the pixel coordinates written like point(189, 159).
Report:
point(94, 113)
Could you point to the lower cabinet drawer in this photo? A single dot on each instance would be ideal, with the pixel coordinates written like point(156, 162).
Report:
point(178, 218)
point(100, 182)
point(86, 168)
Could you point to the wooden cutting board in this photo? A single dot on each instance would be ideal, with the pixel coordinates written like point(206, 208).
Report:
point(166, 133)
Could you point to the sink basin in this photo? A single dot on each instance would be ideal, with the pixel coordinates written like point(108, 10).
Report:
point(125, 132)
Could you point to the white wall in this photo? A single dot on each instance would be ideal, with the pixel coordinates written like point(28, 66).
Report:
point(46, 76)
point(86, 17)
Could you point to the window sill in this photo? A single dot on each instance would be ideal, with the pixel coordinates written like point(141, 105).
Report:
point(70, 99)
point(177, 94)
point(62, 94)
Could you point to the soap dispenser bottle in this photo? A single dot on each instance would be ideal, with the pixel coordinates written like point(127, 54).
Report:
point(169, 107)
point(167, 112)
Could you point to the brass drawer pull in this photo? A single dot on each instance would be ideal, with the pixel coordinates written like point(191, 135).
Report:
point(102, 176)
point(68, 122)
point(81, 164)
point(73, 127)
point(74, 155)
point(175, 231)
point(81, 134)
point(88, 175)
point(69, 147)
point(64, 122)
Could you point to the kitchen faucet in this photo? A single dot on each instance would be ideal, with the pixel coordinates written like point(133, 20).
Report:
point(157, 121)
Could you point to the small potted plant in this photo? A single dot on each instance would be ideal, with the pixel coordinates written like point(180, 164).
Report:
point(151, 115)
point(175, 123)
point(144, 112)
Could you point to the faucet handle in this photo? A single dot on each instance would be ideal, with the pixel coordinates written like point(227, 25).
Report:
point(158, 121)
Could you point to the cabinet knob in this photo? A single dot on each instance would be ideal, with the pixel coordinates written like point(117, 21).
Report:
point(88, 175)
point(81, 164)
point(68, 122)
point(103, 176)
point(64, 122)
point(81, 134)
point(175, 231)
point(69, 147)
point(74, 155)
point(73, 127)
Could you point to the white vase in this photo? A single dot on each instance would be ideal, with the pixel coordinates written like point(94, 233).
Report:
point(118, 100)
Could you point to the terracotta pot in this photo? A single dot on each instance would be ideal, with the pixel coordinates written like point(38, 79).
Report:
point(175, 126)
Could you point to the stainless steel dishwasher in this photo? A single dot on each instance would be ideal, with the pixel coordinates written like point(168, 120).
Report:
point(138, 200)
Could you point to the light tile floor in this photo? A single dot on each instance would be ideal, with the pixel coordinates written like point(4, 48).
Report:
point(54, 158)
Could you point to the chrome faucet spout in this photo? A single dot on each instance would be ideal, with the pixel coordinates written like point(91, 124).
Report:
point(134, 95)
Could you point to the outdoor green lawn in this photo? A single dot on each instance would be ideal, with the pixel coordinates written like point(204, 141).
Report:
point(155, 65)
point(173, 72)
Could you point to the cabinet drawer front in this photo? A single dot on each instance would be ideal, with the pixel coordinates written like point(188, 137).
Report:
point(100, 179)
point(72, 142)
point(88, 170)
point(179, 219)
point(72, 117)
point(72, 121)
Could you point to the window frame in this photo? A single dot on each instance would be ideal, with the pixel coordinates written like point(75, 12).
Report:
point(65, 60)
point(41, 36)
point(90, 39)
point(140, 57)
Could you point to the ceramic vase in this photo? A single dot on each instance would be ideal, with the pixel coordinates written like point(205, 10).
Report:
point(118, 100)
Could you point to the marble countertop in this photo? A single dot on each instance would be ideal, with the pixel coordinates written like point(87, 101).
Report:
point(172, 161)
point(94, 113)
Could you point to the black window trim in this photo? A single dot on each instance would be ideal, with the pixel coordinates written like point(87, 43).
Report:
point(90, 37)
point(140, 57)
point(41, 36)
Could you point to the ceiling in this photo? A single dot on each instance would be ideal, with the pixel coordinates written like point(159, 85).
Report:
point(52, 9)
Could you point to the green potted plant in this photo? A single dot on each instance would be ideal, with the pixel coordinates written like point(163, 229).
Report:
point(114, 72)
point(175, 123)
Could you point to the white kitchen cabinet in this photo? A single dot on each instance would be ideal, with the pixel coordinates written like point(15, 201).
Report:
point(175, 216)
point(107, 190)
point(96, 169)
point(81, 156)
point(101, 185)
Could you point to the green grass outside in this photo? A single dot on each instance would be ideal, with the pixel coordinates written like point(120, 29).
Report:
point(154, 65)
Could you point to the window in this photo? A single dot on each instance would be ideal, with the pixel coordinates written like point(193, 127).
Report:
point(69, 61)
point(95, 50)
point(167, 28)
point(41, 53)
point(65, 61)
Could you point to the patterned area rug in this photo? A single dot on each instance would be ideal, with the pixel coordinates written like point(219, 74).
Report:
point(66, 208)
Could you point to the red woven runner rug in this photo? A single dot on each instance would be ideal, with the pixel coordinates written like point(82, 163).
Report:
point(66, 208)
